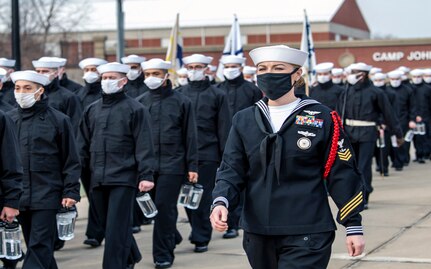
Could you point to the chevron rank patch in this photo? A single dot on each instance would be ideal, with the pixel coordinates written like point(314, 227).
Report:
point(343, 153)
point(345, 156)
point(309, 121)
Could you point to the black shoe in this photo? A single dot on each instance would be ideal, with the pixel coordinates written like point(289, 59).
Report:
point(136, 229)
point(130, 266)
point(59, 244)
point(163, 265)
point(398, 169)
point(147, 222)
point(231, 233)
point(200, 248)
point(91, 242)
point(385, 174)
point(421, 160)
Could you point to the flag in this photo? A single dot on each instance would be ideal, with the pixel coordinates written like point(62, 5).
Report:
point(175, 49)
point(307, 45)
point(233, 45)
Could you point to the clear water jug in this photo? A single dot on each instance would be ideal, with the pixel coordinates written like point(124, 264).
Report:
point(147, 205)
point(66, 223)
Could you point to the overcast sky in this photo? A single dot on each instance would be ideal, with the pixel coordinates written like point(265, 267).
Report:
point(399, 18)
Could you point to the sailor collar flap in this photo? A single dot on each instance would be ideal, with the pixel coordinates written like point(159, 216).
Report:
point(275, 139)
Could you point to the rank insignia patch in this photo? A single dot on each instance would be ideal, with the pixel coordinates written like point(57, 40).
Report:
point(309, 121)
point(345, 155)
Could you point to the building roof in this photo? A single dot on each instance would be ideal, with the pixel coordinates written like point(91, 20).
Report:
point(151, 14)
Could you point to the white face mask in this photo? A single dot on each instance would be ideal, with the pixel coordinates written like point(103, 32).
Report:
point(336, 80)
point(154, 82)
point(417, 80)
point(210, 77)
point(133, 74)
point(26, 100)
point(183, 81)
point(353, 79)
point(395, 83)
point(91, 77)
point(50, 76)
point(110, 86)
point(232, 73)
point(196, 75)
point(379, 83)
point(323, 78)
point(427, 79)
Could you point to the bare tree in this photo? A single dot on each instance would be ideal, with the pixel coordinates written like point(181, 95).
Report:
point(39, 20)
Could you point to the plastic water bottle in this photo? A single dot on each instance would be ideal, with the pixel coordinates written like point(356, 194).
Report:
point(409, 136)
point(12, 241)
point(66, 223)
point(147, 205)
point(2, 227)
point(185, 194)
point(196, 196)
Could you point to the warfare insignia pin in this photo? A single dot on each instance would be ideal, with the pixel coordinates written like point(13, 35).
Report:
point(312, 113)
point(303, 143)
point(309, 121)
point(306, 133)
point(345, 156)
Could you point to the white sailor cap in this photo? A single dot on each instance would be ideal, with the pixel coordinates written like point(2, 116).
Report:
point(416, 72)
point(379, 76)
point(375, 70)
point(156, 63)
point(427, 72)
point(212, 68)
point(395, 74)
point(91, 61)
point(47, 62)
point(279, 53)
point(337, 71)
point(249, 70)
point(113, 67)
point(323, 67)
point(197, 58)
point(133, 59)
point(182, 71)
point(61, 61)
point(404, 69)
point(3, 72)
point(7, 62)
point(361, 67)
point(232, 59)
point(29, 75)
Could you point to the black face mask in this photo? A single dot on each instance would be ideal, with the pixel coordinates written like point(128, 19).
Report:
point(275, 85)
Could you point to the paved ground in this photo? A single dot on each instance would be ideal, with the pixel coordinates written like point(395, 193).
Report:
point(397, 226)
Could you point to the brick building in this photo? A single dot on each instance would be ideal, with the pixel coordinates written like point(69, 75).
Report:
point(340, 32)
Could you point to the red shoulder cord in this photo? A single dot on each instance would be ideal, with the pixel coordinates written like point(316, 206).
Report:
point(334, 145)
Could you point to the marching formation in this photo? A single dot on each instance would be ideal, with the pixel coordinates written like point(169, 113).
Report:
point(253, 143)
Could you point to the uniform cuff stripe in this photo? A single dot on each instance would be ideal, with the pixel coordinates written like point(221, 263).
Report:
point(221, 199)
point(352, 230)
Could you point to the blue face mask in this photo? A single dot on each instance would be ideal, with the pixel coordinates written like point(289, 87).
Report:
point(275, 85)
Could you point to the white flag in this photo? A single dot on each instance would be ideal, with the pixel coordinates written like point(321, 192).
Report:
point(233, 45)
point(175, 48)
point(307, 45)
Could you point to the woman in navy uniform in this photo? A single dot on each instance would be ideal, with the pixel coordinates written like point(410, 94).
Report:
point(280, 142)
point(51, 167)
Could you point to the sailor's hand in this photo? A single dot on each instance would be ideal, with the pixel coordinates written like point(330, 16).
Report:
point(68, 202)
point(8, 214)
point(218, 218)
point(355, 245)
point(193, 177)
point(145, 185)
